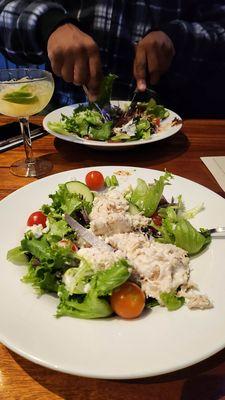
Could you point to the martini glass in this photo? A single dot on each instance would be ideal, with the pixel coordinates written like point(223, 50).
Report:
point(25, 92)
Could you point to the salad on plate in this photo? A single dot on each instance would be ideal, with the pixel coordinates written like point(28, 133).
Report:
point(109, 251)
point(103, 121)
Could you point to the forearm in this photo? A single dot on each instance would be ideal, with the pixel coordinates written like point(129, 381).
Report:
point(22, 36)
point(200, 40)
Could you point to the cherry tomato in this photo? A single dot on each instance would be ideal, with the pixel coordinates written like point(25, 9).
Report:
point(157, 121)
point(94, 180)
point(36, 218)
point(128, 300)
point(157, 219)
point(68, 243)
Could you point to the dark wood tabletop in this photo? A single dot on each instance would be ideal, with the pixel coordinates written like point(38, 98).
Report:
point(180, 154)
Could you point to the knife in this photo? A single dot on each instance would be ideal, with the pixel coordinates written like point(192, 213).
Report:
point(34, 133)
point(86, 234)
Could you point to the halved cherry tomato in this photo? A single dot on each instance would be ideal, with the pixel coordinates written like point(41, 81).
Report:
point(157, 219)
point(36, 218)
point(94, 180)
point(128, 300)
point(68, 243)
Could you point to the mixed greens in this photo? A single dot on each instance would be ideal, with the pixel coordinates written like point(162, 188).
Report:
point(51, 251)
point(103, 122)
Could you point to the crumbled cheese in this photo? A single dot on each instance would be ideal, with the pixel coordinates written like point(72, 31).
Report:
point(129, 128)
point(38, 230)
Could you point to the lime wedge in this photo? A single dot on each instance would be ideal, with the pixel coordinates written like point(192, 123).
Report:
point(20, 97)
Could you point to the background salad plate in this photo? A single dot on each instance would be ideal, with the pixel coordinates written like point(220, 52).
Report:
point(166, 130)
point(158, 342)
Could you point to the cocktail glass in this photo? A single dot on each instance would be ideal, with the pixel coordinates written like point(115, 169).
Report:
point(25, 92)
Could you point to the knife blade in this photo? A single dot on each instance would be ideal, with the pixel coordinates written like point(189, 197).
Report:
point(86, 234)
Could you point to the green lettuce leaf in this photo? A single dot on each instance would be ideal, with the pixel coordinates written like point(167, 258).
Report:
point(17, 256)
point(179, 231)
point(78, 277)
point(188, 238)
point(92, 304)
point(157, 110)
point(111, 278)
point(39, 248)
point(101, 133)
point(90, 307)
point(42, 279)
point(106, 90)
point(171, 301)
point(58, 127)
point(147, 197)
point(58, 228)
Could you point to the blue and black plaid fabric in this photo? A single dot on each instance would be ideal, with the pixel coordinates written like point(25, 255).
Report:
point(196, 27)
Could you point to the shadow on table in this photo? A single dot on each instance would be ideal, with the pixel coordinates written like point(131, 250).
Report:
point(206, 387)
point(149, 154)
point(186, 384)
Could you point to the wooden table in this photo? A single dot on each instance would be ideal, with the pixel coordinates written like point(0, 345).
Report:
point(20, 379)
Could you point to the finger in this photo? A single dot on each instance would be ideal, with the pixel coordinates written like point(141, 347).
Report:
point(56, 63)
point(95, 70)
point(67, 71)
point(81, 69)
point(140, 68)
point(154, 66)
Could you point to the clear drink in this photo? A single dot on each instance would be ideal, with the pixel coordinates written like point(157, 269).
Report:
point(25, 92)
point(26, 98)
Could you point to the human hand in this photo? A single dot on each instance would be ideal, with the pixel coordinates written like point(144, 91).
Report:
point(75, 57)
point(153, 57)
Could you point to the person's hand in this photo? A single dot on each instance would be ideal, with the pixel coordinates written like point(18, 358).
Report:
point(74, 56)
point(153, 57)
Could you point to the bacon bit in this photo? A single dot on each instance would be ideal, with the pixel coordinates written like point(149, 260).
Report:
point(176, 121)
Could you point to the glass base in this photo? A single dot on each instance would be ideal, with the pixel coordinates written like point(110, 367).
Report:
point(38, 167)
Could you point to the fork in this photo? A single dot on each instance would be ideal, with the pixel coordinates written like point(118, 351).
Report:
point(219, 229)
point(103, 113)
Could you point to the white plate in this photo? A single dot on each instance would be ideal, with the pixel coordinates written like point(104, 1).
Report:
point(165, 131)
point(157, 343)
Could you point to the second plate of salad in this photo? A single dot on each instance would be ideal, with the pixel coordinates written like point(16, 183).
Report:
point(146, 123)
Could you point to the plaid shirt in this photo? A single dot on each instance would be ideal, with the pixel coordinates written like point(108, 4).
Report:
point(196, 27)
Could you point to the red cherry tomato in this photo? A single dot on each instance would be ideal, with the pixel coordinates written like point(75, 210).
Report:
point(157, 121)
point(36, 218)
point(157, 219)
point(94, 180)
point(128, 300)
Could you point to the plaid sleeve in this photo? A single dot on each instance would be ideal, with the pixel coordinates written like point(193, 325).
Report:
point(201, 39)
point(20, 38)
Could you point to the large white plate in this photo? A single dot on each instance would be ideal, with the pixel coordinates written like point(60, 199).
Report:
point(159, 342)
point(165, 131)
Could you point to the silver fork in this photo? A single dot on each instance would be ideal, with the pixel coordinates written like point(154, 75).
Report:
point(219, 229)
point(104, 115)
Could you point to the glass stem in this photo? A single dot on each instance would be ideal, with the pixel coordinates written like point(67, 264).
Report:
point(25, 130)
